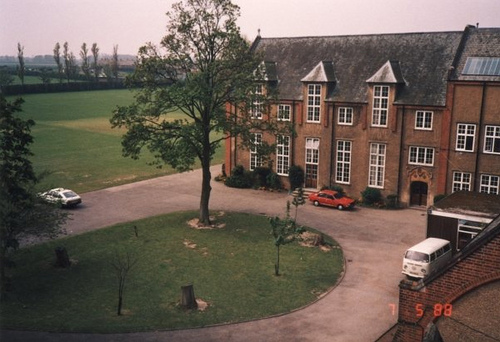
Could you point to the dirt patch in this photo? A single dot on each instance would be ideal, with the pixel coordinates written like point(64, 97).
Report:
point(189, 244)
point(195, 223)
point(309, 239)
point(202, 305)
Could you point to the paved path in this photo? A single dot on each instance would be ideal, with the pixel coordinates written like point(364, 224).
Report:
point(358, 309)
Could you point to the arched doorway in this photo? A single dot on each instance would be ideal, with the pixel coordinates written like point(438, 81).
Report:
point(418, 193)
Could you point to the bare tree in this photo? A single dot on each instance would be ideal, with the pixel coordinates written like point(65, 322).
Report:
point(122, 264)
point(57, 59)
point(21, 68)
point(84, 55)
point(95, 63)
point(114, 62)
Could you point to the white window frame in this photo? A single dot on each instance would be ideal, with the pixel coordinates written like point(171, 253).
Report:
point(255, 159)
point(312, 151)
point(345, 116)
point(314, 103)
point(419, 155)
point(490, 184)
point(424, 120)
point(461, 181)
point(284, 112)
point(257, 102)
point(466, 135)
point(343, 161)
point(282, 154)
point(376, 172)
point(492, 139)
point(380, 110)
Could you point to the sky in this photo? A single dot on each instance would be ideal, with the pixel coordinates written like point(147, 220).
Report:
point(39, 24)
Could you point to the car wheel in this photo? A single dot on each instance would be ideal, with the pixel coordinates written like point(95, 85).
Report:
point(316, 203)
point(340, 207)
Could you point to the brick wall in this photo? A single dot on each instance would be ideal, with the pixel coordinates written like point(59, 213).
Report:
point(422, 302)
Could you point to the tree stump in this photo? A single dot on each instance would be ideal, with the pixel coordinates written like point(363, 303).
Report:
point(188, 300)
point(62, 258)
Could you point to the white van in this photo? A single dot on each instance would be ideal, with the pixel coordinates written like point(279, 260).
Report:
point(426, 257)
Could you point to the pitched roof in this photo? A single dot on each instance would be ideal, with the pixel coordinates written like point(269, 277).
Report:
point(424, 60)
point(477, 42)
point(390, 72)
point(323, 72)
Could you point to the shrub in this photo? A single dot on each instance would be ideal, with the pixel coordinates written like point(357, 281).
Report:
point(274, 181)
point(240, 178)
point(392, 201)
point(335, 187)
point(296, 177)
point(371, 196)
point(260, 175)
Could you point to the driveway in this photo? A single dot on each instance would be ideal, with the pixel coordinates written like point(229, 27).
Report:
point(361, 308)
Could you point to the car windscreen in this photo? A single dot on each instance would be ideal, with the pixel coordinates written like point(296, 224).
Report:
point(69, 194)
point(417, 256)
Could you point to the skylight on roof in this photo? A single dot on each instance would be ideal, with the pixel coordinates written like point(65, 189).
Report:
point(485, 66)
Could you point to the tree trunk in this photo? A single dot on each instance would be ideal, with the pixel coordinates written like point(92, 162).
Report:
point(62, 258)
point(207, 176)
point(3, 278)
point(188, 300)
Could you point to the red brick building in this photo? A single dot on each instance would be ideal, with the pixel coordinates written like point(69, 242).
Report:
point(414, 115)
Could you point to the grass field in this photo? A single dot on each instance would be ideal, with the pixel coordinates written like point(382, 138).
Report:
point(231, 268)
point(75, 142)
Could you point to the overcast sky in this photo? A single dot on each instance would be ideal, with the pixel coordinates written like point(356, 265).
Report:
point(39, 24)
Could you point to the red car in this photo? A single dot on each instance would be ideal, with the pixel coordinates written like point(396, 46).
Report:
point(331, 198)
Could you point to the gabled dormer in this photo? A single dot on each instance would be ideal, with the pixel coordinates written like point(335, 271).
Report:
point(318, 83)
point(383, 88)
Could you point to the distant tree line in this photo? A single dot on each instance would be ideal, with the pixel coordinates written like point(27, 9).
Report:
point(91, 72)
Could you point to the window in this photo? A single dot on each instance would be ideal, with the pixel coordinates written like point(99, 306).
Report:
point(284, 112)
point(377, 165)
point(465, 137)
point(485, 66)
point(312, 151)
point(257, 102)
point(380, 106)
point(313, 102)
point(282, 155)
point(343, 174)
point(423, 120)
point(490, 184)
point(467, 230)
point(492, 140)
point(255, 158)
point(421, 156)
point(461, 181)
point(345, 116)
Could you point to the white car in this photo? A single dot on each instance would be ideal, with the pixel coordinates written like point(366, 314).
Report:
point(65, 197)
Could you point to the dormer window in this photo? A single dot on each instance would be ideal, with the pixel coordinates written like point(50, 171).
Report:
point(380, 106)
point(313, 102)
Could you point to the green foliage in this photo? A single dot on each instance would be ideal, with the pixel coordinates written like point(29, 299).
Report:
point(239, 178)
point(22, 212)
point(371, 196)
point(260, 176)
point(392, 201)
point(273, 181)
point(296, 176)
point(284, 232)
point(335, 187)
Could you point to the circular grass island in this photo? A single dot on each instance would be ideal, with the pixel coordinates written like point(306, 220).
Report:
point(230, 265)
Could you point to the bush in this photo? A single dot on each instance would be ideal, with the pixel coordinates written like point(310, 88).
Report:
point(296, 177)
point(274, 181)
point(371, 196)
point(392, 201)
point(336, 188)
point(260, 176)
point(240, 178)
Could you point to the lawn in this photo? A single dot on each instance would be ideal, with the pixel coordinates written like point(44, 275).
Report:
point(231, 268)
point(75, 142)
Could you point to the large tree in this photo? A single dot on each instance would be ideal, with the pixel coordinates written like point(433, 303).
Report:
point(57, 59)
point(22, 212)
point(95, 63)
point(21, 69)
point(84, 55)
point(202, 64)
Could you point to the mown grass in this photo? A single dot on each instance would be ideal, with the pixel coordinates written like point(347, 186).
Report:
point(75, 142)
point(231, 268)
